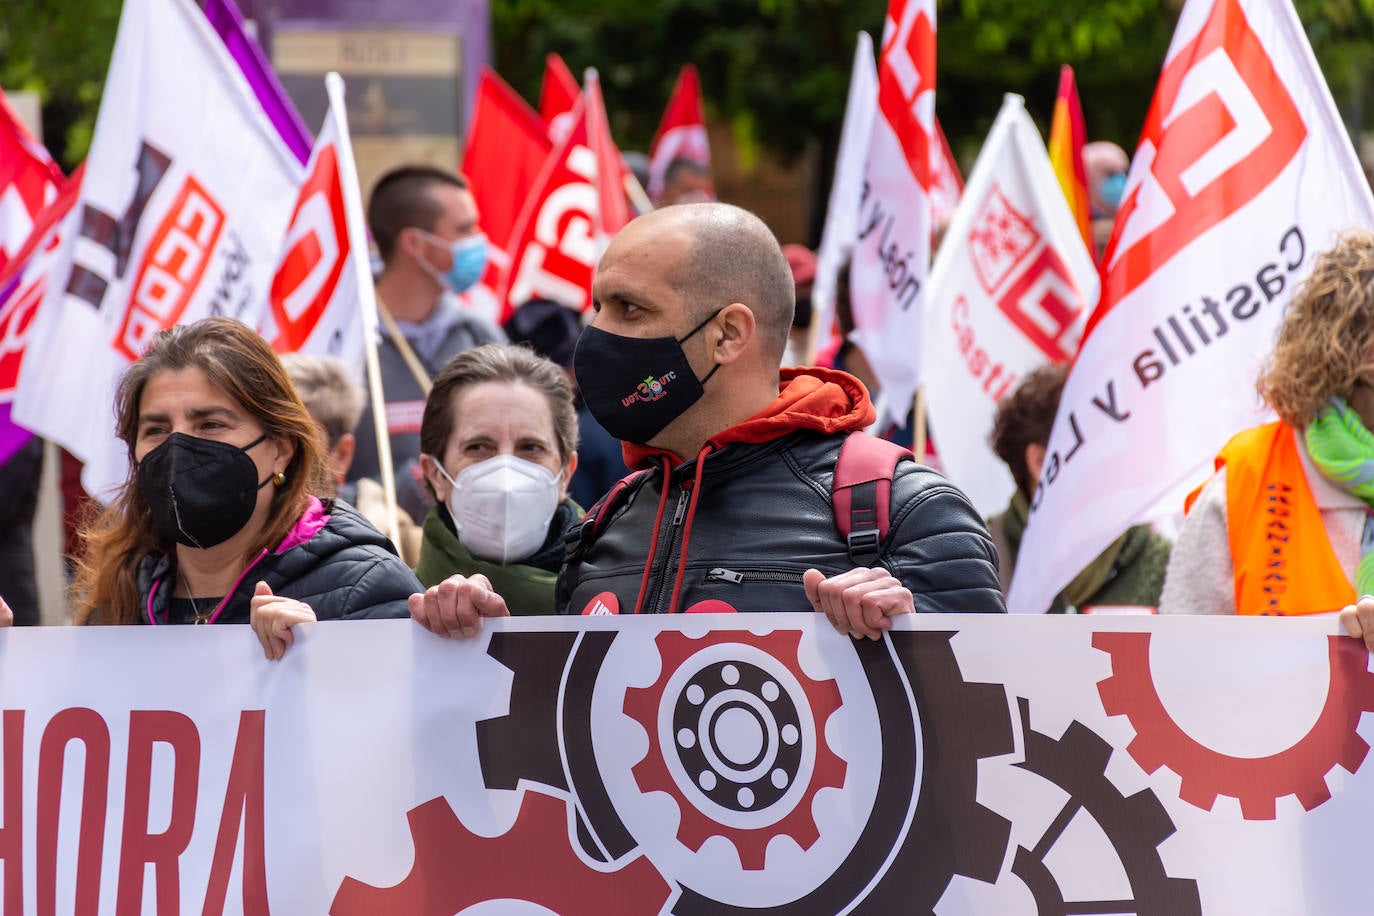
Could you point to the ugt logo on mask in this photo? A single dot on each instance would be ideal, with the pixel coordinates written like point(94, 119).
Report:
point(1221, 128)
point(649, 390)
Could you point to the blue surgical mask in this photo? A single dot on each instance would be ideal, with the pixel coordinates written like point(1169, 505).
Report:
point(469, 262)
point(1113, 188)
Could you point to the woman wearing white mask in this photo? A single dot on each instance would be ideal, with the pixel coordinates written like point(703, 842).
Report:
point(499, 446)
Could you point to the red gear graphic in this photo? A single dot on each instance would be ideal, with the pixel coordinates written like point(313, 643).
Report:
point(1257, 782)
point(534, 860)
point(652, 774)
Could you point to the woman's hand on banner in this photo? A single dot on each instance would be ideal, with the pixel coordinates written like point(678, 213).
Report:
point(6, 615)
point(456, 606)
point(1358, 620)
point(859, 602)
point(272, 618)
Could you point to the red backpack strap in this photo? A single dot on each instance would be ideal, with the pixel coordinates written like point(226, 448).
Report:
point(862, 493)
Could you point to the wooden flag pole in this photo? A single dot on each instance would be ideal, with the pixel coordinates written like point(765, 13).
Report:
point(918, 418)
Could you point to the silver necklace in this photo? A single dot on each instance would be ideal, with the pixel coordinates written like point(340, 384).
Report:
point(197, 617)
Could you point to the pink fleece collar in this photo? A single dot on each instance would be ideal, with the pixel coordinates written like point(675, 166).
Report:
point(307, 526)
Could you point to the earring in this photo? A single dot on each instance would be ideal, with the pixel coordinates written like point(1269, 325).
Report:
point(279, 478)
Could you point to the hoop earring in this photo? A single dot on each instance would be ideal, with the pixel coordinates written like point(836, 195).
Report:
point(279, 478)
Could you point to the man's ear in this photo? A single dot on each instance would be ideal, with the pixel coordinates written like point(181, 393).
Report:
point(736, 329)
point(1035, 463)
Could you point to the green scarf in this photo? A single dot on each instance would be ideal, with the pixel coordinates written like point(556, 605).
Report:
point(1343, 450)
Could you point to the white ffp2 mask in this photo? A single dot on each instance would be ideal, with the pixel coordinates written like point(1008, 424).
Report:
point(502, 507)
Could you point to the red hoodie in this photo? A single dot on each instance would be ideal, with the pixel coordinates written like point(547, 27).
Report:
point(824, 400)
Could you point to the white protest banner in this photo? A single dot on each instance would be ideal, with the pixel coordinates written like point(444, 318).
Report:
point(1243, 175)
point(892, 257)
point(689, 763)
point(323, 285)
point(1009, 292)
point(846, 191)
point(188, 190)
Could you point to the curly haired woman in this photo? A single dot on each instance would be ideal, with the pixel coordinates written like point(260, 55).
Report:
point(1279, 528)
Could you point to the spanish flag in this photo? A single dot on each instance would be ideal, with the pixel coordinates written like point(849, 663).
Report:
point(1067, 136)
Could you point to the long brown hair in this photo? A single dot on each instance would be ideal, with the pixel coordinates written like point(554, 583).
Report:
point(237, 361)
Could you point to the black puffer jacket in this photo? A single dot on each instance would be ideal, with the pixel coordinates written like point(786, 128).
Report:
point(333, 561)
point(763, 515)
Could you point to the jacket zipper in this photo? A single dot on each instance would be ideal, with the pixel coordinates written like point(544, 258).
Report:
point(721, 574)
point(679, 513)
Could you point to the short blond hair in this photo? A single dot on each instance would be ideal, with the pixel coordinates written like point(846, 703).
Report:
point(1326, 341)
point(330, 391)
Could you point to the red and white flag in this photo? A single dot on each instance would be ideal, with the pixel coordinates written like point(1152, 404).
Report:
point(892, 257)
point(322, 301)
point(188, 190)
point(29, 180)
point(576, 205)
point(1009, 291)
point(507, 147)
point(1243, 175)
point(841, 230)
point(22, 284)
point(946, 184)
point(558, 92)
point(682, 131)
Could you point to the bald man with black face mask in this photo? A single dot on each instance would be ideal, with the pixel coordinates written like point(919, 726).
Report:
point(733, 507)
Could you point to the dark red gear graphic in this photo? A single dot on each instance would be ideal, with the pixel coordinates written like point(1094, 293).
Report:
point(534, 861)
point(652, 774)
point(1257, 782)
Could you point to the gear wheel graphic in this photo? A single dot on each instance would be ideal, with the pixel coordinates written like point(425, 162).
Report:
point(1257, 782)
point(455, 869)
point(1135, 825)
point(743, 790)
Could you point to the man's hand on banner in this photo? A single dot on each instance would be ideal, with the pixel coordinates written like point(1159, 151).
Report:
point(6, 615)
point(860, 601)
point(456, 606)
point(272, 618)
point(1358, 620)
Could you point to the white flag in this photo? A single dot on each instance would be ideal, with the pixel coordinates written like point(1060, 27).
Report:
point(1008, 293)
point(187, 192)
point(846, 190)
point(1244, 173)
point(892, 257)
point(323, 285)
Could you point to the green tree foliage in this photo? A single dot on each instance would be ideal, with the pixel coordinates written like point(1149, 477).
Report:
point(61, 50)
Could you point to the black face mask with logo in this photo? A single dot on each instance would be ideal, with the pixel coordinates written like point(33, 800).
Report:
point(636, 386)
point(200, 492)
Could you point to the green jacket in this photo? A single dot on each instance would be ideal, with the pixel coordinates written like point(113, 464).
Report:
point(527, 587)
point(1129, 572)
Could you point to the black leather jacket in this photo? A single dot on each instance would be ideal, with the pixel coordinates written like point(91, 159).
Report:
point(763, 517)
point(345, 570)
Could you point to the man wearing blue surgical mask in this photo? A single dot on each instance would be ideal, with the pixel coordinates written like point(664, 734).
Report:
point(424, 221)
point(1105, 166)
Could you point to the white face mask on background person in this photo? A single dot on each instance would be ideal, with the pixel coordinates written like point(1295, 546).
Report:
point(502, 507)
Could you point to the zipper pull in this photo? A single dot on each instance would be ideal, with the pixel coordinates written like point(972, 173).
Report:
point(720, 574)
point(681, 511)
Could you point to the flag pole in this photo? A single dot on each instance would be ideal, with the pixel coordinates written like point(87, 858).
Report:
point(918, 420)
point(367, 300)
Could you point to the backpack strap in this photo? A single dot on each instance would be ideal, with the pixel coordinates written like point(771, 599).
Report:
point(862, 492)
point(580, 536)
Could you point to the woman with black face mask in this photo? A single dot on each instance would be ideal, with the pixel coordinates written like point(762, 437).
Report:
point(217, 521)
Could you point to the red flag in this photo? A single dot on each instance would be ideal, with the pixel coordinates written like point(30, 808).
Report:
point(682, 132)
point(571, 214)
point(507, 147)
point(29, 179)
point(1067, 136)
point(557, 95)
